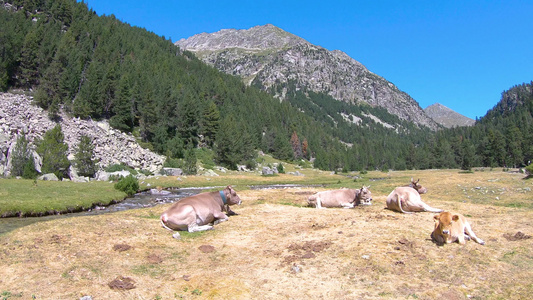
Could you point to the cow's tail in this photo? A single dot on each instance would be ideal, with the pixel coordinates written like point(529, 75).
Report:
point(399, 199)
point(164, 219)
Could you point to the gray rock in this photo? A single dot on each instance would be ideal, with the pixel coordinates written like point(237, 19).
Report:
point(105, 176)
point(48, 177)
point(172, 171)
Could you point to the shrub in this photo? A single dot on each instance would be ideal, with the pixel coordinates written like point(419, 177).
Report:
point(281, 169)
point(529, 170)
point(128, 185)
point(173, 163)
point(120, 167)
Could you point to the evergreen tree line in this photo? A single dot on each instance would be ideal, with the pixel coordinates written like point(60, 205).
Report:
point(100, 68)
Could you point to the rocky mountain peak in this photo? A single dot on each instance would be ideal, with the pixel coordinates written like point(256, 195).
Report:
point(272, 58)
point(447, 117)
point(257, 38)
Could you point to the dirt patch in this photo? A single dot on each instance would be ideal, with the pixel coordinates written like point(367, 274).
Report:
point(207, 248)
point(154, 259)
point(57, 239)
point(306, 250)
point(517, 236)
point(122, 283)
point(121, 247)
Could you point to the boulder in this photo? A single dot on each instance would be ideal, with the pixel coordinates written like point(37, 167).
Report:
point(105, 176)
point(48, 177)
point(172, 171)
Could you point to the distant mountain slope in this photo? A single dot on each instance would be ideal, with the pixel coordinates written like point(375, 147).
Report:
point(447, 117)
point(273, 59)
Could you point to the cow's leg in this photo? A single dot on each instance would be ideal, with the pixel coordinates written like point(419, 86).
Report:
point(461, 238)
point(348, 205)
point(179, 220)
point(220, 217)
point(318, 203)
point(470, 232)
point(193, 227)
point(431, 209)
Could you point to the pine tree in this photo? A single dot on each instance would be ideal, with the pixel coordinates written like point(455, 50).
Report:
point(296, 146)
point(233, 144)
point(305, 149)
point(190, 161)
point(210, 123)
point(28, 59)
point(22, 163)
point(53, 150)
point(85, 162)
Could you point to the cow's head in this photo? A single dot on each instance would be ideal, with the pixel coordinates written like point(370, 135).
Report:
point(231, 196)
point(444, 222)
point(418, 187)
point(363, 196)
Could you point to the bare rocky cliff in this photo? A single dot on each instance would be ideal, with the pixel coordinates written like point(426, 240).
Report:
point(274, 59)
point(18, 115)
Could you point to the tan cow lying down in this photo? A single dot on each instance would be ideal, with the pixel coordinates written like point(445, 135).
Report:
point(453, 227)
point(407, 200)
point(346, 198)
point(200, 212)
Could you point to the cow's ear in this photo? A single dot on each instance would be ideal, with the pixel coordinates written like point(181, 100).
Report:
point(455, 217)
point(436, 217)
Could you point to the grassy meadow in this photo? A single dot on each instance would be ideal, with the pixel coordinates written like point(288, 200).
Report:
point(277, 248)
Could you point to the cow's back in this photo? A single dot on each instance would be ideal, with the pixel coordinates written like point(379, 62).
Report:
point(204, 205)
point(336, 198)
point(403, 199)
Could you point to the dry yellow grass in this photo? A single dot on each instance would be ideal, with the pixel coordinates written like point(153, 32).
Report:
point(278, 249)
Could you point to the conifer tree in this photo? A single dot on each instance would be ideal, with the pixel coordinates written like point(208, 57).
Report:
point(210, 123)
point(22, 163)
point(85, 161)
point(53, 150)
point(296, 146)
point(190, 161)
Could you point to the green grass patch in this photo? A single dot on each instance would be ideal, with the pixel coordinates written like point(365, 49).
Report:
point(24, 197)
point(290, 203)
point(154, 271)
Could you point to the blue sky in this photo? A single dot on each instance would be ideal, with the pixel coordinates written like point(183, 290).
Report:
point(462, 54)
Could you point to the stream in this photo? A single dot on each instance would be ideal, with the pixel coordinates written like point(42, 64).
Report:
point(140, 200)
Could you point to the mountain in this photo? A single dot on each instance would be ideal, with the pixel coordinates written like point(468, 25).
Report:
point(276, 61)
point(447, 117)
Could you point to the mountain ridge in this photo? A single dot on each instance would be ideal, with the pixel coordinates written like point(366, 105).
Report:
point(273, 59)
point(447, 117)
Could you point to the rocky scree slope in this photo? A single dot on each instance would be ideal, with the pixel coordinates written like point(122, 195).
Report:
point(18, 115)
point(275, 58)
point(447, 117)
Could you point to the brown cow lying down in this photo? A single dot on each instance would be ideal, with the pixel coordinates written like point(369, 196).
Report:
point(346, 198)
point(200, 212)
point(453, 227)
point(407, 200)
